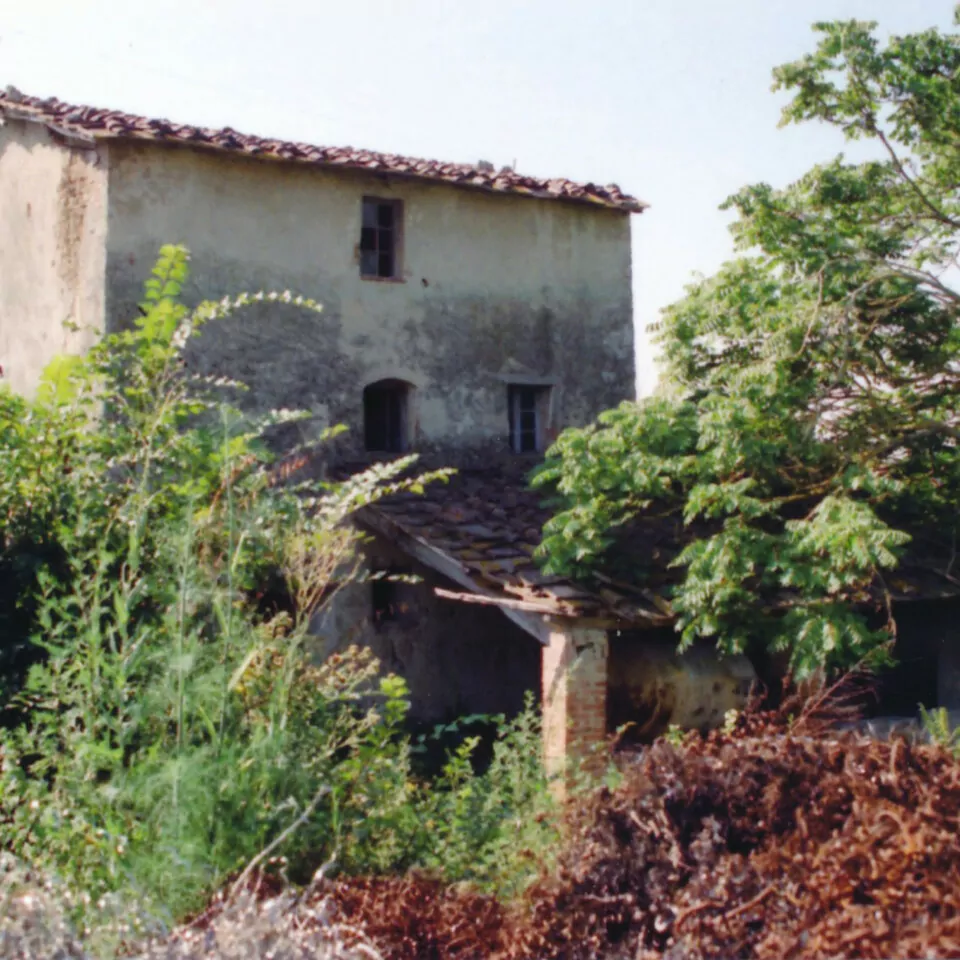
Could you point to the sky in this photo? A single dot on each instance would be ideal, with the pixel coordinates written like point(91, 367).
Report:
point(670, 99)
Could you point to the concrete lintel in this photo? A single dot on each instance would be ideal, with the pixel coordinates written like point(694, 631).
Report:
point(527, 379)
point(555, 622)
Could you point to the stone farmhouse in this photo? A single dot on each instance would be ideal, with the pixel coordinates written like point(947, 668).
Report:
point(470, 313)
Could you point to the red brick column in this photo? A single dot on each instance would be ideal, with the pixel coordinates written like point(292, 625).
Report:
point(574, 695)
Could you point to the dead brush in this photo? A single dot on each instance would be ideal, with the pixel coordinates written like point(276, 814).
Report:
point(777, 837)
point(253, 925)
point(285, 926)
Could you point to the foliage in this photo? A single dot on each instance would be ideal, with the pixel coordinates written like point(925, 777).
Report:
point(174, 725)
point(496, 829)
point(153, 500)
point(808, 441)
point(493, 827)
point(675, 735)
point(938, 727)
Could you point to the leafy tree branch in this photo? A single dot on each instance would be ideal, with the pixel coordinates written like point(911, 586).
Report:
point(806, 446)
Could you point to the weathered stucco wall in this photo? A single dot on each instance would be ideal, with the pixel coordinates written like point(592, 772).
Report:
point(456, 658)
point(653, 686)
point(53, 220)
point(491, 284)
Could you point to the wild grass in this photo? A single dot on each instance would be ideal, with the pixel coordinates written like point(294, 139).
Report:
point(162, 729)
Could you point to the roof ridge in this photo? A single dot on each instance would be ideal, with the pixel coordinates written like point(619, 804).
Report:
point(103, 123)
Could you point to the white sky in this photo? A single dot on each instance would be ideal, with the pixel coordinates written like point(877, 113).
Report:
point(669, 98)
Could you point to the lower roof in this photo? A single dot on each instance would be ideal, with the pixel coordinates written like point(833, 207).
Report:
point(481, 529)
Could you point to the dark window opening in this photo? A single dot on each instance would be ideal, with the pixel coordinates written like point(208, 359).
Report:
point(918, 651)
point(392, 599)
point(385, 600)
point(379, 238)
point(385, 409)
point(527, 414)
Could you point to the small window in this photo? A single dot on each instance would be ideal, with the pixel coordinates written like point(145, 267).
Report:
point(385, 600)
point(380, 238)
point(528, 412)
point(385, 416)
point(393, 598)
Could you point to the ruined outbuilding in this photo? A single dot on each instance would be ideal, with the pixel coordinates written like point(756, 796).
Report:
point(470, 313)
point(492, 624)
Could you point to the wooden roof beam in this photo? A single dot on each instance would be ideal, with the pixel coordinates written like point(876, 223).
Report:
point(447, 566)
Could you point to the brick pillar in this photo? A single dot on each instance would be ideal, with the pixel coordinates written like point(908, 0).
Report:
point(574, 680)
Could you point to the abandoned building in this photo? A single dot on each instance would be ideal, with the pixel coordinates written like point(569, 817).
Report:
point(470, 313)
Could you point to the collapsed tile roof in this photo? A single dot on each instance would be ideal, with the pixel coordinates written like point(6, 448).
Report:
point(94, 123)
point(481, 529)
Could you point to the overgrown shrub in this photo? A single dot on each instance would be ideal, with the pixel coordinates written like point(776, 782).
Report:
point(170, 730)
point(494, 829)
point(167, 729)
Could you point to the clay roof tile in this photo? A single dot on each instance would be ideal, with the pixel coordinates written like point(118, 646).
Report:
point(117, 124)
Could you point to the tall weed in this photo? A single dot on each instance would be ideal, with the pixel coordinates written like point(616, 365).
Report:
point(161, 728)
point(170, 729)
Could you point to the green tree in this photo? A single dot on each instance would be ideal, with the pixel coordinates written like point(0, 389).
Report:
point(808, 444)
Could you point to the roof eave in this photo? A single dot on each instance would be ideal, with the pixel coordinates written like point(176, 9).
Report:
point(634, 206)
point(84, 136)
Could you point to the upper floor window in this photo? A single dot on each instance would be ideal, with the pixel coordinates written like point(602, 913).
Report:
point(386, 412)
point(528, 408)
point(380, 231)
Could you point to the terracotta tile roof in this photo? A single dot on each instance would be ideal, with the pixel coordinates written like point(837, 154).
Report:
point(481, 529)
point(97, 123)
point(486, 524)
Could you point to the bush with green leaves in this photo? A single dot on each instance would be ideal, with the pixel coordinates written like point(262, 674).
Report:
point(496, 828)
point(939, 728)
point(808, 434)
point(171, 729)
